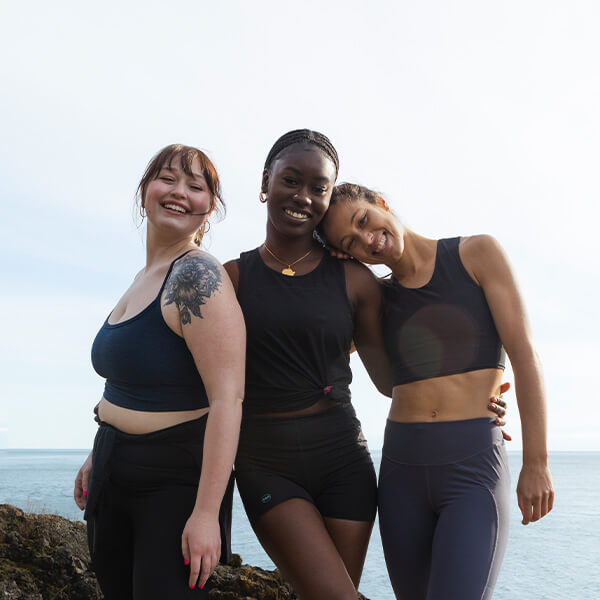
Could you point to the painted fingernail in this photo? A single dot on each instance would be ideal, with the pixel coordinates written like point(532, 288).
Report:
point(191, 587)
point(85, 492)
point(186, 561)
point(201, 587)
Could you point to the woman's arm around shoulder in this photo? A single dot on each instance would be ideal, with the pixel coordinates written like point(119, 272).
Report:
point(213, 329)
point(488, 264)
point(364, 293)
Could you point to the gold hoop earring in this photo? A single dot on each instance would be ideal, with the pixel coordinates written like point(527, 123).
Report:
point(206, 227)
point(263, 197)
point(142, 212)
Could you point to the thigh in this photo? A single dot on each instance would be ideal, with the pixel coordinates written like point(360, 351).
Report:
point(351, 539)
point(295, 536)
point(159, 571)
point(348, 503)
point(406, 522)
point(472, 529)
point(110, 538)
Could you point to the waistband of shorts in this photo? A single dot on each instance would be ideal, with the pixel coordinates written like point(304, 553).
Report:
point(256, 422)
point(174, 433)
point(439, 443)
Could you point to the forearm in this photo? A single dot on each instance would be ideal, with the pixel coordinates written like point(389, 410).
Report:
point(529, 385)
point(220, 446)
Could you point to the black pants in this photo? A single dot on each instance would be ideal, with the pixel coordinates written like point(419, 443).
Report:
point(444, 508)
point(142, 491)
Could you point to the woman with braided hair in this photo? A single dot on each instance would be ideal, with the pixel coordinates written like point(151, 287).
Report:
point(303, 469)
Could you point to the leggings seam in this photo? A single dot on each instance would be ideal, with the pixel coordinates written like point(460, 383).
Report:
point(492, 558)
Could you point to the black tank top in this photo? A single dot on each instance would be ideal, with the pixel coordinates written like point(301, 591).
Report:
point(147, 366)
point(299, 331)
point(442, 328)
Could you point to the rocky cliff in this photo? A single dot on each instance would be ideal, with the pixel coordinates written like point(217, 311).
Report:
point(45, 557)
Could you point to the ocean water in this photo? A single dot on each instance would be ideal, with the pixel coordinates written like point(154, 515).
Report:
point(555, 558)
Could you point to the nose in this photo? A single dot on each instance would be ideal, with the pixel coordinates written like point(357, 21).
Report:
point(302, 197)
point(179, 188)
point(366, 237)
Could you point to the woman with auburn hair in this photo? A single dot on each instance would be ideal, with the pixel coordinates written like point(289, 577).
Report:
point(158, 505)
point(449, 309)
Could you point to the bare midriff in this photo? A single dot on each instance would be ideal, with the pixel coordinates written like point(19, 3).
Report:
point(449, 398)
point(319, 406)
point(138, 422)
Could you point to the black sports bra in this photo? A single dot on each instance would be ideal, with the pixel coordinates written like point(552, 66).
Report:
point(442, 328)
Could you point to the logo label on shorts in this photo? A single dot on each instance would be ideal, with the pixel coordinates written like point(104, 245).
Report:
point(266, 498)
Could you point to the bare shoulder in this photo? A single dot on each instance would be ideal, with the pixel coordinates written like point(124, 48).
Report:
point(481, 255)
point(194, 280)
point(361, 283)
point(359, 273)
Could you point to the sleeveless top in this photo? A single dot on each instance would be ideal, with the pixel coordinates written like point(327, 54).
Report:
point(299, 332)
point(148, 366)
point(442, 328)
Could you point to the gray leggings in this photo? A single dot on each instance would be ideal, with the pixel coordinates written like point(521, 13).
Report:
point(444, 508)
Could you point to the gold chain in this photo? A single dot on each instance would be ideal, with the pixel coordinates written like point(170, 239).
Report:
point(288, 270)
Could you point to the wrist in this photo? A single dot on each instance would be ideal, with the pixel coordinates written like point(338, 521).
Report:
point(207, 512)
point(535, 461)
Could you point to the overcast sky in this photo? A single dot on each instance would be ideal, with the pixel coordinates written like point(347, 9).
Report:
point(468, 116)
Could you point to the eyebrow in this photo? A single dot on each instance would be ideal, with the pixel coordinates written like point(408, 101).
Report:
point(351, 223)
point(171, 168)
point(299, 172)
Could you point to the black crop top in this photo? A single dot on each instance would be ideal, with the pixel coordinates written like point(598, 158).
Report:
point(147, 366)
point(442, 328)
point(299, 331)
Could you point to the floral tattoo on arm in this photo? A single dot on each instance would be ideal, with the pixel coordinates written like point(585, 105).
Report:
point(193, 281)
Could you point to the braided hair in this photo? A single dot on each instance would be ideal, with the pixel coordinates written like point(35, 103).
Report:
point(303, 136)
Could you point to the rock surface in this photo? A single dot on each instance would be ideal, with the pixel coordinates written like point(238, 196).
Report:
point(45, 557)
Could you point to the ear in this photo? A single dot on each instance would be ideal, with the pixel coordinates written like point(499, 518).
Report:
point(381, 202)
point(265, 181)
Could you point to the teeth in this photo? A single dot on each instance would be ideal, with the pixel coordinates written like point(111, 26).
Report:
point(381, 243)
point(175, 207)
point(296, 215)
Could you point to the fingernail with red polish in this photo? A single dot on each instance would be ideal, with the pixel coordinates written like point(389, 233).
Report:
point(191, 587)
point(201, 587)
point(186, 561)
point(85, 492)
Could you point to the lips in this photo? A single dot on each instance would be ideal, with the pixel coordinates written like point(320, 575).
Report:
point(297, 214)
point(173, 207)
point(380, 245)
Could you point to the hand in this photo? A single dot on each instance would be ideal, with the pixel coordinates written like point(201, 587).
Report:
point(535, 492)
point(338, 253)
point(201, 546)
point(81, 483)
point(498, 406)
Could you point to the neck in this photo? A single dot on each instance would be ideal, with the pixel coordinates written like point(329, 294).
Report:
point(289, 248)
point(160, 248)
point(417, 252)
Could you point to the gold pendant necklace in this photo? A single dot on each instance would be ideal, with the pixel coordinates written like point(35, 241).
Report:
point(288, 270)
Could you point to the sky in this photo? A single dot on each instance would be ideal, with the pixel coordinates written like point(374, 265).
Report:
point(467, 116)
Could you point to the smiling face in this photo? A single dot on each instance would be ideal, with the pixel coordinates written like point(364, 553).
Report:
point(366, 231)
point(178, 198)
point(298, 187)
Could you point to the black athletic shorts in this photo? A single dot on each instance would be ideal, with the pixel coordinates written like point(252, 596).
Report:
point(322, 458)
